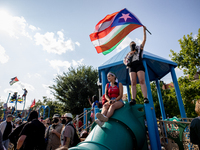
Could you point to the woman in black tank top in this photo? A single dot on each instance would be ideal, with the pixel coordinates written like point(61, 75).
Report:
point(137, 69)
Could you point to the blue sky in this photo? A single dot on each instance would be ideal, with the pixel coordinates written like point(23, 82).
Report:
point(40, 39)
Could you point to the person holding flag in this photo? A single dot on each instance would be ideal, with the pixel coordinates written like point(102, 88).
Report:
point(136, 69)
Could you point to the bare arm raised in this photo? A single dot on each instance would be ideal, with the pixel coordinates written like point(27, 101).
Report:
point(144, 38)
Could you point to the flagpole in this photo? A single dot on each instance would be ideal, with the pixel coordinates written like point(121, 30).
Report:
point(24, 103)
point(148, 31)
point(16, 104)
point(8, 97)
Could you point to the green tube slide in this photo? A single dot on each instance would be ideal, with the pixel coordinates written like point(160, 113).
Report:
point(125, 130)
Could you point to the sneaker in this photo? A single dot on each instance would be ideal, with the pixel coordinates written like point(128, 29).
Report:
point(132, 102)
point(99, 122)
point(146, 100)
point(101, 117)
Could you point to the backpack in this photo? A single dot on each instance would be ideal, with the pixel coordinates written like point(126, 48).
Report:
point(76, 137)
point(128, 60)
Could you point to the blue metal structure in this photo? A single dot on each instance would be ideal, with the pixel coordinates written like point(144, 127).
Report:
point(155, 68)
point(44, 108)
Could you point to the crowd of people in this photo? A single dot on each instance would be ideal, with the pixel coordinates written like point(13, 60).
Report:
point(38, 134)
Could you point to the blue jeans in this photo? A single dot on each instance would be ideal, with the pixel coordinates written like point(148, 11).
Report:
point(5, 143)
point(118, 100)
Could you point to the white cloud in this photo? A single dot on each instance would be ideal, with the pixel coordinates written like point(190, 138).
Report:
point(33, 28)
point(77, 43)
point(58, 64)
point(36, 75)
point(51, 44)
point(126, 43)
point(17, 87)
point(123, 44)
point(76, 63)
point(13, 25)
point(138, 41)
point(195, 36)
point(48, 91)
point(3, 57)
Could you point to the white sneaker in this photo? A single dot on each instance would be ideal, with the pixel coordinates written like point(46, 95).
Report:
point(101, 117)
point(99, 122)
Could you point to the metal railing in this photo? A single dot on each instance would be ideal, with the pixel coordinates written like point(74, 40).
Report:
point(176, 134)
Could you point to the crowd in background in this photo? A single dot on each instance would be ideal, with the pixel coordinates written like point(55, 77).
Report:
point(58, 133)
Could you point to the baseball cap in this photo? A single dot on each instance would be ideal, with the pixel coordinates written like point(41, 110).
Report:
point(18, 119)
point(69, 115)
point(10, 115)
point(56, 116)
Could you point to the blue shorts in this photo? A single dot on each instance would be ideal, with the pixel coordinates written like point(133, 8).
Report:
point(118, 100)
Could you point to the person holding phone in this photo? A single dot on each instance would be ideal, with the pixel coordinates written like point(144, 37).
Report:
point(113, 94)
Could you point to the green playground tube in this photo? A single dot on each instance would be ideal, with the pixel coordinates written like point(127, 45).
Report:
point(125, 130)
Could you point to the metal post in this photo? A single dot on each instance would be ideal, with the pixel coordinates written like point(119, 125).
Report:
point(16, 105)
point(84, 118)
point(128, 93)
point(24, 103)
point(96, 110)
point(8, 97)
point(103, 75)
point(178, 93)
point(150, 115)
point(160, 100)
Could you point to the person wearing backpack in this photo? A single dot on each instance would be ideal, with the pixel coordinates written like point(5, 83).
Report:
point(69, 137)
point(53, 133)
point(32, 135)
point(113, 95)
point(136, 68)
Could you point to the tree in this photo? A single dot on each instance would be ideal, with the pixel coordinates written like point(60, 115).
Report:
point(168, 96)
point(190, 93)
point(74, 87)
point(189, 56)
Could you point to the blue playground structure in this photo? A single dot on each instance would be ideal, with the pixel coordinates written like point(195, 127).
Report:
point(15, 99)
point(126, 128)
point(44, 110)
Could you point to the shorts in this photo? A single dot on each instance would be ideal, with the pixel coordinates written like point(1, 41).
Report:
point(137, 67)
point(118, 100)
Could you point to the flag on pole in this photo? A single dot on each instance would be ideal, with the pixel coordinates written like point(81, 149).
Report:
point(111, 30)
point(33, 104)
point(13, 80)
point(19, 100)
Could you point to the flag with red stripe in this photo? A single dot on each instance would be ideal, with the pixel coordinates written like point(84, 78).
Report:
point(13, 80)
point(111, 30)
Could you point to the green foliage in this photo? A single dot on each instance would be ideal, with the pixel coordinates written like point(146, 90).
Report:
point(55, 106)
point(190, 93)
point(168, 96)
point(189, 56)
point(74, 87)
point(1, 109)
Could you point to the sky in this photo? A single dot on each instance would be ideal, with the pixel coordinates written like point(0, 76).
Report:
point(42, 39)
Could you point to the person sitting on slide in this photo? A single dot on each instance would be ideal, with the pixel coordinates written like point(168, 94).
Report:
point(113, 94)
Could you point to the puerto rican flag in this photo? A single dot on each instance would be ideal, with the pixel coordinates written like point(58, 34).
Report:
point(111, 30)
